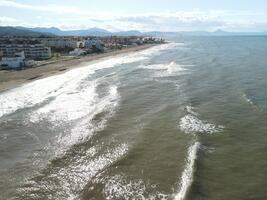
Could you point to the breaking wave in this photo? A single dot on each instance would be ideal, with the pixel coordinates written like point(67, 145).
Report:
point(69, 179)
point(169, 69)
point(192, 124)
point(41, 90)
point(247, 99)
point(120, 187)
point(85, 128)
point(188, 173)
point(159, 48)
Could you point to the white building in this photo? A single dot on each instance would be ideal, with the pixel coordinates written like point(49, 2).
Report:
point(77, 52)
point(80, 44)
point(153, 40)
point(33, 51)
point(16, 62)
point(63, 43)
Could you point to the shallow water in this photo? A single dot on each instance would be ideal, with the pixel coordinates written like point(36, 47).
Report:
point(184, 120)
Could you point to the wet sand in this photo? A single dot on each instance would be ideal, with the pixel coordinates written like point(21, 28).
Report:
point(12, 79)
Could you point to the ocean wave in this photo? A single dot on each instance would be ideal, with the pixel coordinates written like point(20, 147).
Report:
point(169, 69)
point(66, 181)
point(172, 66)
point(85, 129)
point(247, 99)
point(67, 105)
point(41, 90)
point(191, 110)
point(85, 111)
point(190, 123)
point(188, 173)
point(75, 104)
point(159, 48)
point(120, 187)
point(252, 101)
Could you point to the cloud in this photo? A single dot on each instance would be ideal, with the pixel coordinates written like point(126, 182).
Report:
point(173, 23)
point(67, 17)
point(8, 21)
point(44, 8)
point(195, 20)
point(164, 21)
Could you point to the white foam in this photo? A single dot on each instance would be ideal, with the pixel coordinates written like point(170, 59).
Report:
point(171, 68)
point(68, 105)
point(248, 99)
point(39, 91)
point(188, 173)
point(118, 187)
point(191, 124)
point(85, 129)
point(70, 180)
point(191, 110)
point(159, 49)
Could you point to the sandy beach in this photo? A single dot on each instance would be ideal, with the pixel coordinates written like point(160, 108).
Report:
point(12, 79)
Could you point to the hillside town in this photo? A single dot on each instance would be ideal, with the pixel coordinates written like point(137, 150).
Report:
point(24, 52)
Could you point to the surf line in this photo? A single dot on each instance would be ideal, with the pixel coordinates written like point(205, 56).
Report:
point(188, 173)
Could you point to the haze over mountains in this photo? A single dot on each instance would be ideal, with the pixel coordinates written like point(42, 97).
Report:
point(40, 31)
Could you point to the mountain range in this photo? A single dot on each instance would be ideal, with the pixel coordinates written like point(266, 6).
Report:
point(50, 32)
point(21, 32)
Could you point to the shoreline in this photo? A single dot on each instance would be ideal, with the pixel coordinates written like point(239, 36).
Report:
point(13, 79)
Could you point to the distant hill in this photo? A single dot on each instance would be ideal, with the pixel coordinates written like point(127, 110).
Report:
point(94, 32)
point(57, 31)
point(52, 30)
point(129, 33)
point(86, 32)
point(89, 32)
point(40, 31)
point(14, 31)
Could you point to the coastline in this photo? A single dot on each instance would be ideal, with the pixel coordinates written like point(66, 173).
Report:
point(12, 79)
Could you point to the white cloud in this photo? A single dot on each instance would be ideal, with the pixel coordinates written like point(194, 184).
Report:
point(44, 8)
point(8, 21)
point(173, 23)
point(194, 20)
point(67, 17)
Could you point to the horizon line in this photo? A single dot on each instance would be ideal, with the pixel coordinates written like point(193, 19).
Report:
point(66, 30)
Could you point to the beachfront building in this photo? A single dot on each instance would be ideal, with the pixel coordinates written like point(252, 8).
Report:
point(63, 42)
point(94, 44)
point(32, 51)
point(153, 40)
point(121, 41)
point(15, 62)
point(77, 52)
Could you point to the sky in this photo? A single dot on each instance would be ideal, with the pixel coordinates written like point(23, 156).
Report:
point(142, 15)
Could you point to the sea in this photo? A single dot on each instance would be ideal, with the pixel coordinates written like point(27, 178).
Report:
point(185, 120)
